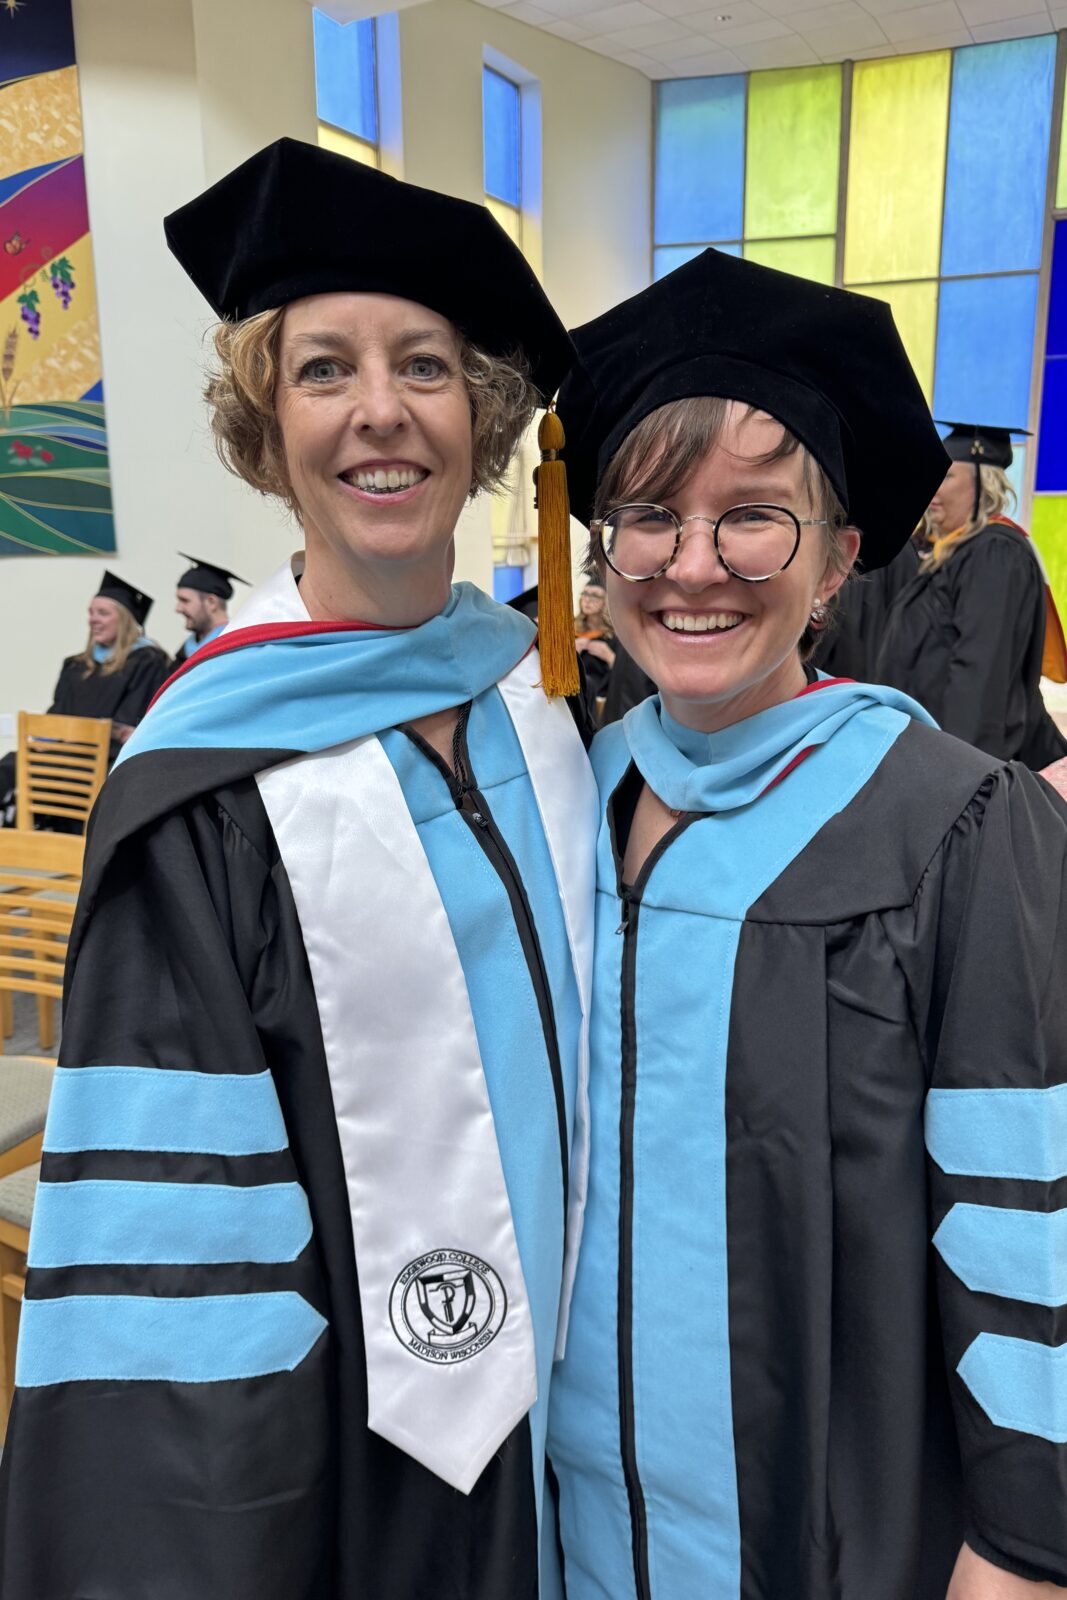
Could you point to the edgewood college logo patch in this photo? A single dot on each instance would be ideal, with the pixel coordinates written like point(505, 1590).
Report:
point(447, 1306)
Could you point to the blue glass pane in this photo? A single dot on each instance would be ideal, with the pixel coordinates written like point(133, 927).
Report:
point(700, 159)
point(1056, 339)
point(985, 346)
point(1052, 439)
point(1016, 474)
point(507, 583)
point(501, 137)
point(345, 94)
point(676, 255)
point(998, 145)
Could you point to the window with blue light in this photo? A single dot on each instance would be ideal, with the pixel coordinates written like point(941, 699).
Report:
point(346, 95)
point(502, 137)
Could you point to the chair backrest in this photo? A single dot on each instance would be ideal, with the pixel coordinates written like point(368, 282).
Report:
point(40, 875)
point(60, 766)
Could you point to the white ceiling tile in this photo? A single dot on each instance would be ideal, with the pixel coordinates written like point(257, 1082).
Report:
point(645, 64)
point(825, 16)
point(786, 9)
point(874, 52)
point(1059, 16)
point(627, 15)
point(523, 11)
point(858, 33)
point(921, 21)
point(790, 52)
point(883, 8)
point(736, 12)
point(564, 29)
point(949, 40)
point(645, 33)
point(996, 10)
point(752, 32)
point(1013, 28)
point(710, 65)
point(685, 8)
point(695, 44)
point(571, 10)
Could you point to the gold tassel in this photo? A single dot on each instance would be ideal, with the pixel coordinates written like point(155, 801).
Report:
point(555, 594)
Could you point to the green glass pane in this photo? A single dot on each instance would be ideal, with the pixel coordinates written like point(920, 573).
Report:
point(1048, 524)
point(896, 174)
point(1061, 180)
point(806, 258)
point(914, 307)
point(793, 152)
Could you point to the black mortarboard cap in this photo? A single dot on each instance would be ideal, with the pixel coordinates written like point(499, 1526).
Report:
point(124, 594)
point(828, 364)
point(984, 446)
point(208, 578)
point(296, 220)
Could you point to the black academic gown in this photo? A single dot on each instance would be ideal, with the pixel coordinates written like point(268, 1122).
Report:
point(122, 696)
point(849, 647)
point(966, 642)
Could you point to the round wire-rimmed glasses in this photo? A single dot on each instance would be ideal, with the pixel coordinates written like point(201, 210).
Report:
point(754, 542)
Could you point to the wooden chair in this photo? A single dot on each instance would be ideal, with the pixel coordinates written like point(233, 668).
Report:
point(60, 766)
point(17, 1194)
point(40, 875)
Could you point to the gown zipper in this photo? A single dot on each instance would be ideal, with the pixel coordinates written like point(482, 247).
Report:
point(630, 897)
point(474, 809)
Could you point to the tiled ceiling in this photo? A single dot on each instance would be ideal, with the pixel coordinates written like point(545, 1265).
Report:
point(689, 39)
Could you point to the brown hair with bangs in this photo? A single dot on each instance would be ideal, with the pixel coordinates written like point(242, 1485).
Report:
point(663, 451)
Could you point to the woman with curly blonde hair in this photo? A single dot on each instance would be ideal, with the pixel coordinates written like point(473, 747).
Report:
point(966, 637)
point(296, 1292)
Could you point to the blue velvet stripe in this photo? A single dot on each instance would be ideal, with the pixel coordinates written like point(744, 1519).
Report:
point(1019, 1384)
point(99, 1220)
point(999, 1133)
point(157, 1108)
point(123, 1338)
point(1020, 1255)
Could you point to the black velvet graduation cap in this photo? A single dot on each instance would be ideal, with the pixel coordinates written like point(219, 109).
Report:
point(124, 594)
point(985, 447)
point(208, 578)
point(827, 364)
point(295, 220)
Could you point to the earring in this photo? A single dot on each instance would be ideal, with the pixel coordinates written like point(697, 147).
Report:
point(818, 616)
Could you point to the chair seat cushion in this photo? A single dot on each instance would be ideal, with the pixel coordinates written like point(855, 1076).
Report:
point(25, 1086)
point(17, 1192)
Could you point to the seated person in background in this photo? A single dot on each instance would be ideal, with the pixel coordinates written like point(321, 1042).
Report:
point(201, 598)
point(115, 676)
point(594, 638)
point(966, 637)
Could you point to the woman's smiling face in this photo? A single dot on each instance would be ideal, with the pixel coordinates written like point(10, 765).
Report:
point(719, 648)
point(375, 420)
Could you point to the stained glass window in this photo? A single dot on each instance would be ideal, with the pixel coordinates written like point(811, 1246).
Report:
point(664, 261)
point(807, 258)
point(995, 181)
point(700, 160)
point(345, 86)
point(1048, 524)
point(914, 307)
point(985, 343)
point(896, 168)
point(1052, 450)
point(502, 137)
point(793, 151)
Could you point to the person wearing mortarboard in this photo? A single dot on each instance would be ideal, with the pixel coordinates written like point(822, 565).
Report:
point(974, 630)
point(202, 599)
point(820, 921)
point(114, 677)
point(306, 1221)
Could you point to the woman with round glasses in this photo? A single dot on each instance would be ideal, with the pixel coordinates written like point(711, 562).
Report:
point(815, 1347)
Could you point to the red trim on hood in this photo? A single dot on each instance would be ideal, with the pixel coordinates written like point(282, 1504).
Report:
point(267, 633)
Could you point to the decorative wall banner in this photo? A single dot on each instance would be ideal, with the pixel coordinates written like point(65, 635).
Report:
point(55, 487)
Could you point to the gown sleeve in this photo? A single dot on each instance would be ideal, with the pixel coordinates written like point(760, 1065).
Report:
point(993, 945)
point(148, 670)
point(170, 1434)
point(998, 603)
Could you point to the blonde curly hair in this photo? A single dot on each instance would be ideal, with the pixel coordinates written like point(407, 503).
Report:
point(241, 389)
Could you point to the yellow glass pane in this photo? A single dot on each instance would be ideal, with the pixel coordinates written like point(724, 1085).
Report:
point(914, 307)
point(508, 217)
point(1048, 524)
point(806, 258)
point(1061, 177)
point(346, 144)
point(896, 174)
point(793, 152)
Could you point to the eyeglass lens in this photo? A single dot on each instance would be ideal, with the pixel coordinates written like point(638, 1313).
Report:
point(754, 541)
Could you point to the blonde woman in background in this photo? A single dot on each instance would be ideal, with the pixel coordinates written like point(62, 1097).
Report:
point(966, 637)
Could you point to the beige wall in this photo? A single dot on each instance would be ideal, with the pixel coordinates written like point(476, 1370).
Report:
point(174, 93)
